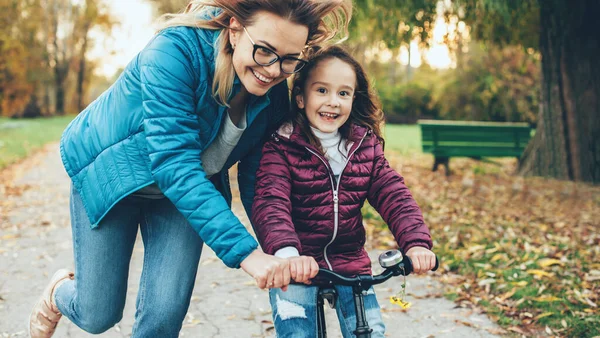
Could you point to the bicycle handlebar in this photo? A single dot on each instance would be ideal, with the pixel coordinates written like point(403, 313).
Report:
point(405, 267)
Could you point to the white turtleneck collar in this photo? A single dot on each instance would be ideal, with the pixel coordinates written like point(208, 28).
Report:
point(335, 149)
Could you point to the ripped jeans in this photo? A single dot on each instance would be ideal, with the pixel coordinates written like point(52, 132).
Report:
point(295, 311)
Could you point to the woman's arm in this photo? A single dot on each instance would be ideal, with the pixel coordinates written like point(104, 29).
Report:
point(171, 127)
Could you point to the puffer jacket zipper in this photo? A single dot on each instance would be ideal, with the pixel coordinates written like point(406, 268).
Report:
point(335, 186)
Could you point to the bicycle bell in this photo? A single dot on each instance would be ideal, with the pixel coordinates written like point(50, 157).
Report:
point(390, 258)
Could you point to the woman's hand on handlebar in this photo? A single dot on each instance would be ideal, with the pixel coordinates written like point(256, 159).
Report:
point(268, 271)
point(422, 259)
point(303, 268)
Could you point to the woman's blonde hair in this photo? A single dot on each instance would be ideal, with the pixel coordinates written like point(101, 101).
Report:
point(324, 18)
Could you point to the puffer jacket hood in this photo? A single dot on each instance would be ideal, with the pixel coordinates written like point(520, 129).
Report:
point(297, 201)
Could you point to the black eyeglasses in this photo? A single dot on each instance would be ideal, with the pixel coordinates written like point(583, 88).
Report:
point(264, 56)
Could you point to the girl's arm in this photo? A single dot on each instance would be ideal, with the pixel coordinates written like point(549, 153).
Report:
point(171, 127)
point(272, 208)
point(394, 202)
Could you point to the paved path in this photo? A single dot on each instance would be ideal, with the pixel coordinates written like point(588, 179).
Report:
point(35, 240)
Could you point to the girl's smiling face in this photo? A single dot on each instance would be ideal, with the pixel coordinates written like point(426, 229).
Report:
point(328, 95)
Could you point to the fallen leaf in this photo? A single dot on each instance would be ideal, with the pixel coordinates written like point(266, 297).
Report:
point(546, 262)
point(540, 273)
point(545, 314)
point(547, 298)
point(516, 329)
point(465, 323)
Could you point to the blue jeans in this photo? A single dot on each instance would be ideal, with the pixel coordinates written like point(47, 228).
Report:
point(295, 311)
point(94, 301)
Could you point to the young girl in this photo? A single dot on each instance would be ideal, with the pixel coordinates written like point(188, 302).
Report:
point(315, 175)
point(152, 154)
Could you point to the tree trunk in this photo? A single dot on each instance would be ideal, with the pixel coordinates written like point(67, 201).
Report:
point(81, 73)
point(60, 76)
point(567, 141)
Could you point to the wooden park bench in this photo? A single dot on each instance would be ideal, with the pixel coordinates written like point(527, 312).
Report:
point(446, 139)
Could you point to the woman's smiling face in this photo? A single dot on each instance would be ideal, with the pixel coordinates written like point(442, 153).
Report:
point(269, 30)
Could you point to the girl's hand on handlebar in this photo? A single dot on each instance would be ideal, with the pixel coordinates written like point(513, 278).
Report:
point(268, 271)
point(422, 259)
point(303, 269)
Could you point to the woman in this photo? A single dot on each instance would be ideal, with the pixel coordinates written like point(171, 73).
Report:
point(154, 150)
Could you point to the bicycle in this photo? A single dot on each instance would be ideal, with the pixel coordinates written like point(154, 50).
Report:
point(394, 264)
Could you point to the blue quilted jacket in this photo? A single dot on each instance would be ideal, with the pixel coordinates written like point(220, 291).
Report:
point(152, 125)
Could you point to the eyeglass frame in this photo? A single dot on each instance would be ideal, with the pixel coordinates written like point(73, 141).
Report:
point(277, 57)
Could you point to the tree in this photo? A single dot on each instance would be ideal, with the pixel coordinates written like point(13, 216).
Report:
point(394, 24)
point(92, 14)
point(21, 55)
point(43, 45)
point(494, 84)
point(567, 140)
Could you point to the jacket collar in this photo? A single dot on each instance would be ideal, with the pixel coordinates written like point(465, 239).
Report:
point(293, 133)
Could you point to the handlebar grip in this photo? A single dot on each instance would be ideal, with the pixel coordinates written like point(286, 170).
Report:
point(408, 266)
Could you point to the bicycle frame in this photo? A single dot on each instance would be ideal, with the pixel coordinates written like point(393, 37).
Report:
point(393, 267)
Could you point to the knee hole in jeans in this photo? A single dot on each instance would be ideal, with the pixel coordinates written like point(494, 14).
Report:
point(289, 310)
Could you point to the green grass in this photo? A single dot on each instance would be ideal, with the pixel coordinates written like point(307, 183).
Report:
point(19, 138)
point(403, 138)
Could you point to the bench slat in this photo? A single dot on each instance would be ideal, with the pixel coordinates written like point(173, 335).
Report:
point(474, 139)
point(476, 152)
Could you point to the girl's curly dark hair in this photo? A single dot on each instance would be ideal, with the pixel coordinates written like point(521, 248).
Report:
point(366, 109)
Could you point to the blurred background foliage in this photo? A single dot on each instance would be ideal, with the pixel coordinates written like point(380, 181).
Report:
point(488, 73)
point(44, 69)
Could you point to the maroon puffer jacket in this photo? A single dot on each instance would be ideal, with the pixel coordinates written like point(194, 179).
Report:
point(296, 201)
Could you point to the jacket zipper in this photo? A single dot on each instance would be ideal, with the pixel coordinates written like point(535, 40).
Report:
point(335, 188)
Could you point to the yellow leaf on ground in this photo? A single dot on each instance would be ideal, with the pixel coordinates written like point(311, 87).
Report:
point(546, 262)
point(545, 314)
point(540, 273)
point(547, 299)
point(520, 283)
point(507, 295)
point(497, 257)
